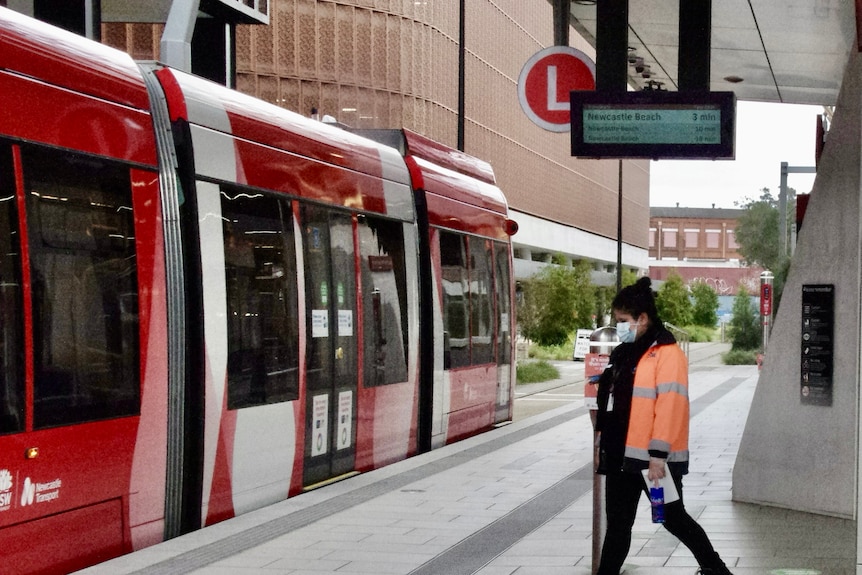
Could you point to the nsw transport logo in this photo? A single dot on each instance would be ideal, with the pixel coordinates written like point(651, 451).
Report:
point(5, 490)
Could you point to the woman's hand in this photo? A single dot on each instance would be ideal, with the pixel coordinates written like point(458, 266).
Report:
point(656, 470)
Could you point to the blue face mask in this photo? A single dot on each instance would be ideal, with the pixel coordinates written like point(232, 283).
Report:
point(625, 331)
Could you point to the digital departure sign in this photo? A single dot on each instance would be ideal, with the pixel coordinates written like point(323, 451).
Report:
point(653, 125)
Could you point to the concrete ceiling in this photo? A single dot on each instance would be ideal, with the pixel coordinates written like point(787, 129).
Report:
point(791, 51)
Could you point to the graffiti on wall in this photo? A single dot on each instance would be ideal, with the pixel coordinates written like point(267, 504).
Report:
point(725, 281)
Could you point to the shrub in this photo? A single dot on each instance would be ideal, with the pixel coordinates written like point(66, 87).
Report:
point(740, 357)
point(699, 333)
point(673, 301)
point(556, 301)
point(536, 371)
point(745, 331)
point(558, 352)
point(705, 305)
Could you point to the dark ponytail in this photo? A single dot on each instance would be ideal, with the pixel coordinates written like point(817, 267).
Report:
point(636, 299)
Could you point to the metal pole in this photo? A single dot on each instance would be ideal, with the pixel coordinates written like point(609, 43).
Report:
point(620, 228)
point(462, 76)
point(561, 22)
point(782, 211)
point(766, 305)
point(598, 501)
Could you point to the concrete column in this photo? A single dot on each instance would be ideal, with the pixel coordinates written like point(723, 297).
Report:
point(801, 456)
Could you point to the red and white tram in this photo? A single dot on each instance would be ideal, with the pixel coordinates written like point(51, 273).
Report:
point(209, 304)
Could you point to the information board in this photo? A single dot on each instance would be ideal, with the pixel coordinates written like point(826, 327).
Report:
point(818, 328)
point(653, 125)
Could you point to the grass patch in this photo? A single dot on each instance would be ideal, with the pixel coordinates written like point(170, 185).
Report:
point(536, 371)
point(555, 352)
point(740, 357)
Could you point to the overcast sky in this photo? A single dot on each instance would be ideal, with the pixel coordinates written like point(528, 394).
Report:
point(766, 135)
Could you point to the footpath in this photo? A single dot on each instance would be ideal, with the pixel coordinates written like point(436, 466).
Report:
point(517, 500)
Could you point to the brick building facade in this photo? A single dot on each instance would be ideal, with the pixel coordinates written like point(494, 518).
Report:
point(693, 234)
point(700, 245)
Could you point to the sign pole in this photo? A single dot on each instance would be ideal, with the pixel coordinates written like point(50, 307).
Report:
point(766, 305)
point(602, 342)
point(620, 228)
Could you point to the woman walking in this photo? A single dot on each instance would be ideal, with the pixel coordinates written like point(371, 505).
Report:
point(642, 424)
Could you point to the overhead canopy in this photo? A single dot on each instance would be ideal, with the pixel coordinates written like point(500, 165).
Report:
point(792, 52)
point(236, 11)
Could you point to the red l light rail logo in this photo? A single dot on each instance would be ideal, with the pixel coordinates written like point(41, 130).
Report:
point(546, 80)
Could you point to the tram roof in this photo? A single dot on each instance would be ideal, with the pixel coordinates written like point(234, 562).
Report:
point(259, 121)
point(39, 50)
point(446, 171)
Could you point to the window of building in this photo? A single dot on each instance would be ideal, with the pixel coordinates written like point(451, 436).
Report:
point(669, 238)
point(691, 238)
point(713, 239)
point(652, 236)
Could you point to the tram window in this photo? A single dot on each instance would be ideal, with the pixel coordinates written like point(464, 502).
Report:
point(85, 288)
point(481, 303)
point(11, 327)
point(384, 286)
point(504, 302)
point(453, 260)
point(262, 301)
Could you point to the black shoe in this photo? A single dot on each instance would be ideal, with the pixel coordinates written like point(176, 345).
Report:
point(722, 570)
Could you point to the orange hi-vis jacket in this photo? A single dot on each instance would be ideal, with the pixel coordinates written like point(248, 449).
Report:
point(659, 419)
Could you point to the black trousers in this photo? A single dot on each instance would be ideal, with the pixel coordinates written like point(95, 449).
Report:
point(622, 494)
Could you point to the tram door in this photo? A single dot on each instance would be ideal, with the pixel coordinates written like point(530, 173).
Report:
point(330, 293)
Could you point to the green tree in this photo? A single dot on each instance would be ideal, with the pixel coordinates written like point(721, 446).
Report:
point(758, 238)
point(585, 295)
point(672, 301)
point(705, 311)
point(555, 302)
point(745, 330)
point(605, 295)
point(757, 232)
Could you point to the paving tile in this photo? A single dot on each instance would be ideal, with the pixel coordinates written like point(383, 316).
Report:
point(439, 514)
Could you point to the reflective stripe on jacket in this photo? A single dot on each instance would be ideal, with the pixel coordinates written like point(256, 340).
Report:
point(658, 424)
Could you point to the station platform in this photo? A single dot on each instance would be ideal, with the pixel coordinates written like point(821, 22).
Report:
point(517, 500)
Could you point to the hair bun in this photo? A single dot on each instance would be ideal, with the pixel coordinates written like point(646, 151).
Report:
point(644, 283)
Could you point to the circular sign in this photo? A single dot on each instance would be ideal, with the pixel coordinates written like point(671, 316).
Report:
point(546, 80)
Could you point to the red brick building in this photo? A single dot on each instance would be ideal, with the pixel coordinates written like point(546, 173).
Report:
point(699, 244)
